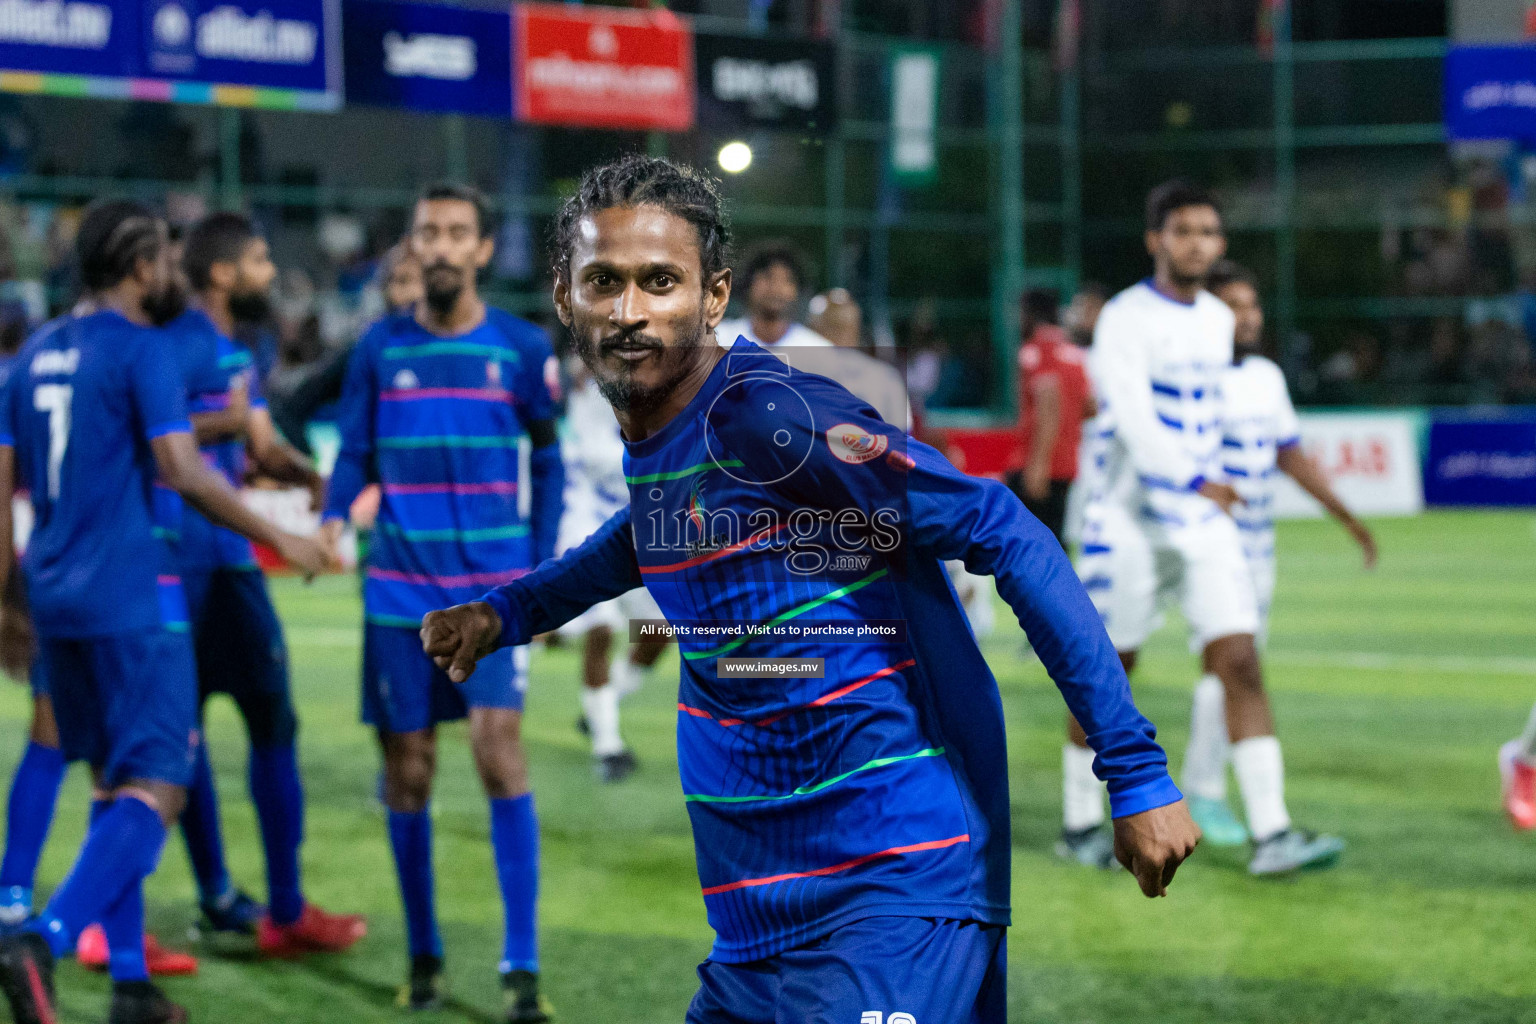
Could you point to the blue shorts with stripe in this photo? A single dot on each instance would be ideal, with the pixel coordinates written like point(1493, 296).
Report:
point(404, 691)
point(876, 970)
point(125, 703)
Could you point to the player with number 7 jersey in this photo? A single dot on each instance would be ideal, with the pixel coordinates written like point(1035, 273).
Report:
point(95, 408)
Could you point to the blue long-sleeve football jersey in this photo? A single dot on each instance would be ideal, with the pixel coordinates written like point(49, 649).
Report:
point(778, 499)
point(439, 423)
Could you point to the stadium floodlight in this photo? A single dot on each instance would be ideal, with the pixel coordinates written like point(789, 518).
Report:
point(735, 157)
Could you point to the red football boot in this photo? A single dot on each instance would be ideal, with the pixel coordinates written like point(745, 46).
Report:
point(1519, 777)
point(92, 953)
point(316, 931)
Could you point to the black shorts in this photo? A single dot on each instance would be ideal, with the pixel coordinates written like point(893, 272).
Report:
point(1050, 510)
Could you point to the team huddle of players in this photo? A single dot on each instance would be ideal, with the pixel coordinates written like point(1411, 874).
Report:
point(841, 821)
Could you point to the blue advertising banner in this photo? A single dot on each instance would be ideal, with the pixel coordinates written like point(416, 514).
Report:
point(1490, 92)
point(1482, 461)
point(429, 57)
point(272, 53)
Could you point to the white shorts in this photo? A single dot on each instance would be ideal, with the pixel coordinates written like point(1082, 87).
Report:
point(1132, 564)
point(1261, 569)
point(615, 614)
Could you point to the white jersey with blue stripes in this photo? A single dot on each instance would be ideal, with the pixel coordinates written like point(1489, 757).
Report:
point(1156, 366)
point(1258, 420)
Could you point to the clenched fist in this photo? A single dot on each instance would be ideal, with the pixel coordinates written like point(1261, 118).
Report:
point(458, 637)
point(1154, 843)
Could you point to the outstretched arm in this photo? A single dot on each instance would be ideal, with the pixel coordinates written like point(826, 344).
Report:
point(599, 569)
point(944, 514)
point(1302, 468)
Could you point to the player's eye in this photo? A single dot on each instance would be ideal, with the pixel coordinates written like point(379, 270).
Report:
point(663, 281)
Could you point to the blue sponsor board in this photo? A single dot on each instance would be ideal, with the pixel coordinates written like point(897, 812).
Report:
point(1482, 461)
point(1490, 92)
point(282, 53)
point(430, 57)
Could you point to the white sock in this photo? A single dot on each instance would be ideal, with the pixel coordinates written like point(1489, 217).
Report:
point(1082, 794)
point(624, 676)
point(601, 706)
point(1528, 738)
point(1205, 758)
point(1261, 776)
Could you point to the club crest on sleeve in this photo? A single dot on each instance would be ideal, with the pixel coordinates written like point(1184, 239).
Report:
point(853, 444)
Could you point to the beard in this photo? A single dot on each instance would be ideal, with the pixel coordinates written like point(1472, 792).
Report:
point(619, 386)
point(442, 284)
point(250, 307)
point(166, 305)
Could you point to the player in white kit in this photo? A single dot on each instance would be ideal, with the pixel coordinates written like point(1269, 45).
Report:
point(1159, 524)
point(1261, 439)
point(593, 452)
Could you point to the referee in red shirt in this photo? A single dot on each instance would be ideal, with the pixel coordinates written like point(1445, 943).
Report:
point(1054, 400)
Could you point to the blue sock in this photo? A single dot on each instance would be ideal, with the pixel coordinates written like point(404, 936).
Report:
point(121, 849)
point(515, 845)
point(279, 798)
point(200, 828)
point(123, 924)
point(28, 816)
point(410, 836)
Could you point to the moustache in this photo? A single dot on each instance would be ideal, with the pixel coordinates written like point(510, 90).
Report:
point(630, 339)
point(435, 268)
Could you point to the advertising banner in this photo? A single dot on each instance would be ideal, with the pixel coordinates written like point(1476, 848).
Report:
point(266, 53)
point(1372, 460)
point(430, 57)
point(599, 67)
point(749, 82)
point(1490, 92)
point(1482, 461)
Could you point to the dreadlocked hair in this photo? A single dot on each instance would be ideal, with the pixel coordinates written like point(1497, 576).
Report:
point(114, 235)
point(635, 180)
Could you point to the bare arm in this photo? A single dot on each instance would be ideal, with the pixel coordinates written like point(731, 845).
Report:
point(1302, 468)
point(280, 460)
point(183, 470)
point(225, 423)
point(1046, 395)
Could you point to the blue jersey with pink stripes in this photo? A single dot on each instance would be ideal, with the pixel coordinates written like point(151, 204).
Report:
point(778, 516)
point(440, 423)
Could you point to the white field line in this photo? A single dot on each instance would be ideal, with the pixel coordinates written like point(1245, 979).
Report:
point(1513, 666)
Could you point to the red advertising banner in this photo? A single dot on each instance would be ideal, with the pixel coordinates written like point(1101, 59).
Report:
point(602, 68)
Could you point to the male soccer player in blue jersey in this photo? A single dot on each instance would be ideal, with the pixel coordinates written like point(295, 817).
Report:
point(850, 816)
point(237, 637)
point(95, 407)
point(443, 406)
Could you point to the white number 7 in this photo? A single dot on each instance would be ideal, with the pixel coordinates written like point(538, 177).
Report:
point(55, 400)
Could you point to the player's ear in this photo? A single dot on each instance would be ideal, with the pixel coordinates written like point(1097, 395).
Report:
point(562, 298)
point(1151, 242)
point(484, 252)
point(222, 275)
point(717, 295)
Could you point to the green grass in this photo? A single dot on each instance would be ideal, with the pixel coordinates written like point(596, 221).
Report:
point(1392, 691)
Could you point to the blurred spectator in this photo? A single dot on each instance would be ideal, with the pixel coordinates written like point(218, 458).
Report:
point(1358, 362)
point(1082, 313)
point(399, 279)
point(771, 279)
point(1054, 400)
point(838, 318)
